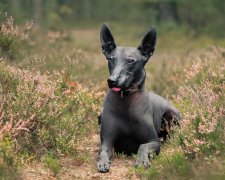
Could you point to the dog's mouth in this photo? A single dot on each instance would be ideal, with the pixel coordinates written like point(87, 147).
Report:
point(123, 87)
point(120, 88)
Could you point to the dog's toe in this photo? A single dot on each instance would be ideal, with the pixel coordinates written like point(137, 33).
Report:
point(143, 163)
point(103, 167)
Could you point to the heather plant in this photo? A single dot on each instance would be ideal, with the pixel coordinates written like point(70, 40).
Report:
point(202, 99)
point(11, 38)
point(200, 135)
point(42, 113)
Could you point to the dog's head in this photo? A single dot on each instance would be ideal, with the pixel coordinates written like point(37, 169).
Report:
point(126, 64)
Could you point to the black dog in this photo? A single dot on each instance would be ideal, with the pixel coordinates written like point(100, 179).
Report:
point(132, 118)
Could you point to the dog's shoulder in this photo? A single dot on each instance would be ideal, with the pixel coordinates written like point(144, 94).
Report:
point(157, 100)
point(161, 104)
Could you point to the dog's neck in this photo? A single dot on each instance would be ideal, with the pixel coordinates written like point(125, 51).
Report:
point(137, 86)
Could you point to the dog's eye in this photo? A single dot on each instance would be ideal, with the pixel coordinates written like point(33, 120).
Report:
point(131, 61)
point(110, 59)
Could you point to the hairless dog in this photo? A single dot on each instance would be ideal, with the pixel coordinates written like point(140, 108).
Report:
point(132, 119)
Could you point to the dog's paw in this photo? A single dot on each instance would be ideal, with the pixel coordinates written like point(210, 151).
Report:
point(142, 162)
point(103, 166)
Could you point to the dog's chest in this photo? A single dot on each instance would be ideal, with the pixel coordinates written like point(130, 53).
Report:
point(129, 113)
point(128, 107)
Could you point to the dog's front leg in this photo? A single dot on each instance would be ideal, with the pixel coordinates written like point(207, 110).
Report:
point(104, 157)
point(146, 152)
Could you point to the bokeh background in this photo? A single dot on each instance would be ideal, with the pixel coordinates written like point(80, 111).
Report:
point(193, 17)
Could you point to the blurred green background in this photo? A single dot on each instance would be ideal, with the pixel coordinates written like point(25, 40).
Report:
point(193, 17)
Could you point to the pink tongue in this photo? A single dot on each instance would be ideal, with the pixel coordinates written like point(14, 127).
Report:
point(115, 89)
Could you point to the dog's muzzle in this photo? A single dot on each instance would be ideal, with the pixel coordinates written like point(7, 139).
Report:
point(112, 82)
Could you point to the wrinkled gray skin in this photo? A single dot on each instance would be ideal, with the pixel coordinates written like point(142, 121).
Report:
point(130, 123)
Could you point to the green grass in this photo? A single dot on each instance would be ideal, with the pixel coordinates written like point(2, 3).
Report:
point(53, 164)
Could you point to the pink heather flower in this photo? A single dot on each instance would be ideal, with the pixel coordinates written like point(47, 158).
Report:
point(199, 142)
point(193, 71)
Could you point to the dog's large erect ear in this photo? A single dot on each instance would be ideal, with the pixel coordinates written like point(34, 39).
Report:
point(107, 40)
point(148, 43)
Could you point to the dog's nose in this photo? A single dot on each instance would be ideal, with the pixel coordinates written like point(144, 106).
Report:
point(111, 82)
